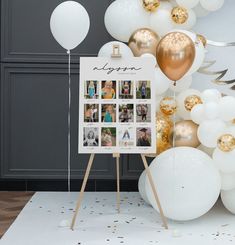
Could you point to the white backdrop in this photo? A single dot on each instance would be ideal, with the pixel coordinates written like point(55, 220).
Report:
point(218, 26)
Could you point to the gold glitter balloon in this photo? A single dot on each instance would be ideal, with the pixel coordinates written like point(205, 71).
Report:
point(202, 39)
point(226, 143)
point(179, 15)
point(186, 134)
point(151, 5)
point(164, 129)
point(191, 101)
point(168, 106)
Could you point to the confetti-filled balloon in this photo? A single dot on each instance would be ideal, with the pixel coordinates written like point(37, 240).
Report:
point(151, 5)
point(179, 15)
point(168, 106)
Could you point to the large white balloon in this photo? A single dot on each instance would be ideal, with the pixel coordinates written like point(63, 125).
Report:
point(209, 131)
point(212, 5)
point(141, 187)
point(107, 49)
point(200, 11)
point(224, 160)
point(197, 114)
point(123, 17)
point(227, 108)
point(227, 181)
point(211, 95)
point(160, 20)
point(183, 84)
point(187, 181)
point(69, 24)
point(162, 83)
point(228, 199)
point(187, 3)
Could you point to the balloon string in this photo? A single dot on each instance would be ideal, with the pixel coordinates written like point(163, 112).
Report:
point(69, 121)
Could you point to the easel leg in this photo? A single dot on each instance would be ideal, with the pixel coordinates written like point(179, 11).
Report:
point(154, 191)
point(118, 183)
point(88, 169)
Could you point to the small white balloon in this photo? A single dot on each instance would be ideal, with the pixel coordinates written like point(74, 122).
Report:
point(188, 183)
point(224, 160)
point(189, 23)
point(228, 199)
point(107, 49)
point(227, 108)
point(227, 181)
point(212, 5)
point(123, 17)
point(200, 11)
point(211, 95)
point(209, 131)
point(69, 24)
point(162, 83)
point(211, 110)
point(141, 187)
point(197, 114)
point(187, 3)
point(183, 84)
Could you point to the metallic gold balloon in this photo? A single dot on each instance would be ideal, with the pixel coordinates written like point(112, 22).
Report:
point(186, 134)
point(226, 143)
point(168, 106)
point(143, 41)
point(191, 101)
point(179, 15)
point(164, 129)
point(202, 39)
point(175, 55)
point(151, 5)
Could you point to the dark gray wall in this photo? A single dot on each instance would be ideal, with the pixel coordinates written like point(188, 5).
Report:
point(34, 96)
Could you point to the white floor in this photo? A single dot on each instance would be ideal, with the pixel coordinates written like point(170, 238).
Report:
point(98, 223)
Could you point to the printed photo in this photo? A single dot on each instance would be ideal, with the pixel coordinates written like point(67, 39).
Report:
point(143, 137)
point(108, 90)
point(143, 113)
point(91, 90)
point(126, 89)
point(91, 113)
point(126, 137)
point(108, 137)
point(90, 136)
point(108, 113)
point(126, 113)
point(143, 90)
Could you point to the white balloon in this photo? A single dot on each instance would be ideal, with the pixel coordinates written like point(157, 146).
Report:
point(107, 49)
point(69, 24)
point(227, 108)
point(183, 84)
point(147, 55)
point(187, 182)
point(227, 181)
point(224, 160)
point(211, 110)
point(162, 83)
point(200, 11)
point(207, 150)
point(141, 187)
point(197, 114)
point(185, 114)
point(187, 3)
point(212, 5)
point(189, 23)
point(123, 17)
point(209, 131)
point(211, 95)
point(160, 20)
point(228, 199)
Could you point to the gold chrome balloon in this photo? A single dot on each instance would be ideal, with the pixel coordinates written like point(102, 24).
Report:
point(164, 130)
point(179, 15)
point(191, 101)
point(168, 106)
point(202, 39)
point(175, 55)
point(143, 41)
point(186, 134)
point(151, 5)
point(226, 143)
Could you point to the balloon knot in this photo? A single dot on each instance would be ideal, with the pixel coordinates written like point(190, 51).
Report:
point(68, 51)
point(174, 83)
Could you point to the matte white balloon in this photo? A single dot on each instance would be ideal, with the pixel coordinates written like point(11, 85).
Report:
point(197, 114)
point(227, 181)
point(69, 24)
point(228, 199)
point(212, 5)
point(183, 84)
point(209, 131)
point(227, 108)
point(211, 110)
point(181, 110)
point(162, 83)
point(211, 95)
point(123, 17)
point(187, 181)
point(189, 23)
point(141, 187)
point(107, 49)
point(200, 11)
point(224, 160)
point(187, 3)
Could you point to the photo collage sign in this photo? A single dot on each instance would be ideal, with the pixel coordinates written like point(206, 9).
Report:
point(117, 105)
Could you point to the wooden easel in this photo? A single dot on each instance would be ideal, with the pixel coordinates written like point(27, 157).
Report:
point(116, 54)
